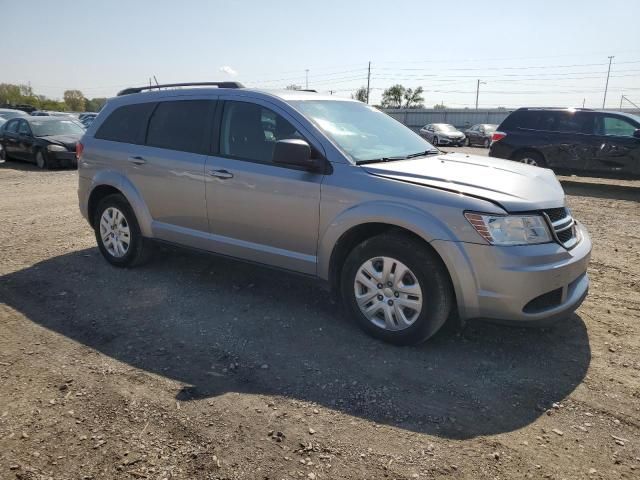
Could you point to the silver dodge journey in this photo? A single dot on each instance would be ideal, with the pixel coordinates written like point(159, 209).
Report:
point(336, 190)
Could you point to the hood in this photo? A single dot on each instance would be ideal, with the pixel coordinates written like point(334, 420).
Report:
point(69, 141)
point(450, 134)
point(516, 187)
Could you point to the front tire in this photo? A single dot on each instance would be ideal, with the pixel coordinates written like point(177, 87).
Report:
point(41, 160)
point(396, 288)
point(467, 142)
point(436, 141)
point(486, 143)
point(118, 234)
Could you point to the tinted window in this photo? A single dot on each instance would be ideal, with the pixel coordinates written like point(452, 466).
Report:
point(180, 125)
point(46, 128)
point(12, 126)
point(24, 128)
point(250, 131)
point(615, 126)
point(126, 124)
point(527, 119)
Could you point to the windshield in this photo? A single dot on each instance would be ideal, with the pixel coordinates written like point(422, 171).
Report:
point(490, 128)
point(55, 127)
point(443, 127)
point(10, 115)
point(361, 131)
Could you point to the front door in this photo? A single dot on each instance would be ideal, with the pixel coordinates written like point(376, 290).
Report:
point(615, 150)
point(24, 148)
point(258, 210)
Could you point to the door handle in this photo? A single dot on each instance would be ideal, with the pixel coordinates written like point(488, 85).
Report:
point(221, 174)
point(137, 160)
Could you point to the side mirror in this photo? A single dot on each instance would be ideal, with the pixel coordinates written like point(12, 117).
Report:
point(636, 133)
point(294, 152)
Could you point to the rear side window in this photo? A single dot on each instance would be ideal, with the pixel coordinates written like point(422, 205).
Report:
point(527, 119)
point(180, 125)
point(126, 124)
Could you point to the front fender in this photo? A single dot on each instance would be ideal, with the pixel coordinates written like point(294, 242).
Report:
point(131, 193)
point(399, 215)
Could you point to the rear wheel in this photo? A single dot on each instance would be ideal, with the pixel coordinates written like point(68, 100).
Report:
point(531, 158)
point(397, 289)
point(118, 234)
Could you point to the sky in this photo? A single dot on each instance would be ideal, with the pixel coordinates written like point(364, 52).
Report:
point(526, 52)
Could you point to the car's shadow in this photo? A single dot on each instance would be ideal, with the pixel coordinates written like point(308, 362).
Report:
point(217, 326)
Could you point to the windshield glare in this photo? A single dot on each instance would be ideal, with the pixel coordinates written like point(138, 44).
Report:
point(361, 131)
point(446, 128)
point(56, 127)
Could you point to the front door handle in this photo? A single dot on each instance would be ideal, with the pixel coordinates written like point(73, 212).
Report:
point(137, 160)
point(220, 174)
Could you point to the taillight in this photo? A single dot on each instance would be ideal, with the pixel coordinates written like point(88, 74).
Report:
point(497, 136)
point(79, 150)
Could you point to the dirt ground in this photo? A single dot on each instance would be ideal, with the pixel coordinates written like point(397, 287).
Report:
point(196, 367)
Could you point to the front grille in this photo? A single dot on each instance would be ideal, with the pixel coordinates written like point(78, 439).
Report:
point(544, 302)
point(564, 227)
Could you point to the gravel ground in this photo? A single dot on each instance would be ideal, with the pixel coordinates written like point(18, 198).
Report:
point(196, 367)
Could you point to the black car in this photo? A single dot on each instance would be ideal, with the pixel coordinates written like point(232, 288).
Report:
point(571, 139)
point(480, 134)
point(45, 141)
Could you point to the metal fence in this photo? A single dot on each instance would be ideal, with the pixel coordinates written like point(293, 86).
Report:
point(416, 118)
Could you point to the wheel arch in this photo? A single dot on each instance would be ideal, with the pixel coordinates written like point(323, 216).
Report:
point(112, 183)
point(520, 151)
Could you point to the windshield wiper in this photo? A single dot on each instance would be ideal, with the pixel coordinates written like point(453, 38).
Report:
point(401, 157)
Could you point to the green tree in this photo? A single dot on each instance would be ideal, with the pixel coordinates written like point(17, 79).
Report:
point(439, 106)
point(94, 105)
point(10, 94)
point(392, 96)
point(74, 100)
point(360, 94)
point(413, 98)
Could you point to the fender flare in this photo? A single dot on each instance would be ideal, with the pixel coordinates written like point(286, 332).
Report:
point(417, 221)
point(130, 192)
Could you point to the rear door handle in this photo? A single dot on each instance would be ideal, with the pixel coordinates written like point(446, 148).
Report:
point(137, 160)
point(220, 174)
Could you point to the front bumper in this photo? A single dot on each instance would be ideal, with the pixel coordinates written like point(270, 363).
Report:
point(450, 141)
point(530, 284)
point(68, 158)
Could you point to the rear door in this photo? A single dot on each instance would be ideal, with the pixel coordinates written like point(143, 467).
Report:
point(567, 135)
point(169, 169)
point(259, 210)
point(615, 150)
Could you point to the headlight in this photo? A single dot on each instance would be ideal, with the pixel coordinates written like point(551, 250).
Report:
point(56, 148)
point(510, 229)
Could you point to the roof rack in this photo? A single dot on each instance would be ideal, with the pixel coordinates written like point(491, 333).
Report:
point(128, 91)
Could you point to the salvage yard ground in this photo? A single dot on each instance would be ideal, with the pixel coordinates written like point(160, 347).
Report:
point(196, 367)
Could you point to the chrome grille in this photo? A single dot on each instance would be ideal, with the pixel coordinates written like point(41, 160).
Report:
point(563, 226)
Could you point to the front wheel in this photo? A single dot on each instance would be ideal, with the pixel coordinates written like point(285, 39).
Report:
point(487, 143)
point(397, 289)
point(436, 141)
point(467, 142)
point(118, 234)
point(41, 160)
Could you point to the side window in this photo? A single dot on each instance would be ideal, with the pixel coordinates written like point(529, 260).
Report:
point(24, 129)
point(126, 124)
point(250, 131)
point(12, 126)
point(616, 126)
point(523, 119)
point(180, 125)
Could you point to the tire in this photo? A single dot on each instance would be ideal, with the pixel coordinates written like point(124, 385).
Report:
point(486, 143)
point(531, 158)
point(436, 142)
point(41, 160)
point(138, 249)
point(426, 271)
point(467, 142)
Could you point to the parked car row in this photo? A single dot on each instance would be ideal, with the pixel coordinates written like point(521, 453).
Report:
point(444, 134)
point(597, 141)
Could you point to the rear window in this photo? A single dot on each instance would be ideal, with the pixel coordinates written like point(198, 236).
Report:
point(126, 124)
point(180, 125)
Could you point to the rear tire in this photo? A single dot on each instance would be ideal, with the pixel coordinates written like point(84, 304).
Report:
point(118, 234)
point(531, 158)
point(426, 280)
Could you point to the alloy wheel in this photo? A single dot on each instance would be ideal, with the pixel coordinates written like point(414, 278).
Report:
point(388, 293)
point(114, 232)
point(529, 161)
point(40, 160)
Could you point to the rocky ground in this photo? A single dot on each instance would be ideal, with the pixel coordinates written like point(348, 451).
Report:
point(196, 367)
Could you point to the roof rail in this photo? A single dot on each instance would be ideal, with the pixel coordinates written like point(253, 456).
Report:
point(128, 91)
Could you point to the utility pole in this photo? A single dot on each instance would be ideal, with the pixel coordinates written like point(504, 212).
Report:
point(606, 87)
point(478, 91)
point(368, 81)
point(583, 100)
point(307, 79)
point(331, 92)
point(621, 98)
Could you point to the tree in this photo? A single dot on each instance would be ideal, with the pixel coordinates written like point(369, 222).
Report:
point(360, 95)
point(94, 105)
point(414, 98)
point(10, 94)
point(293, 86)
point(392, 96)
point(439, 106)
point(74, 100)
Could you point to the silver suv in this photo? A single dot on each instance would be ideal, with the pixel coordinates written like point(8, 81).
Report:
point(336, 190)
